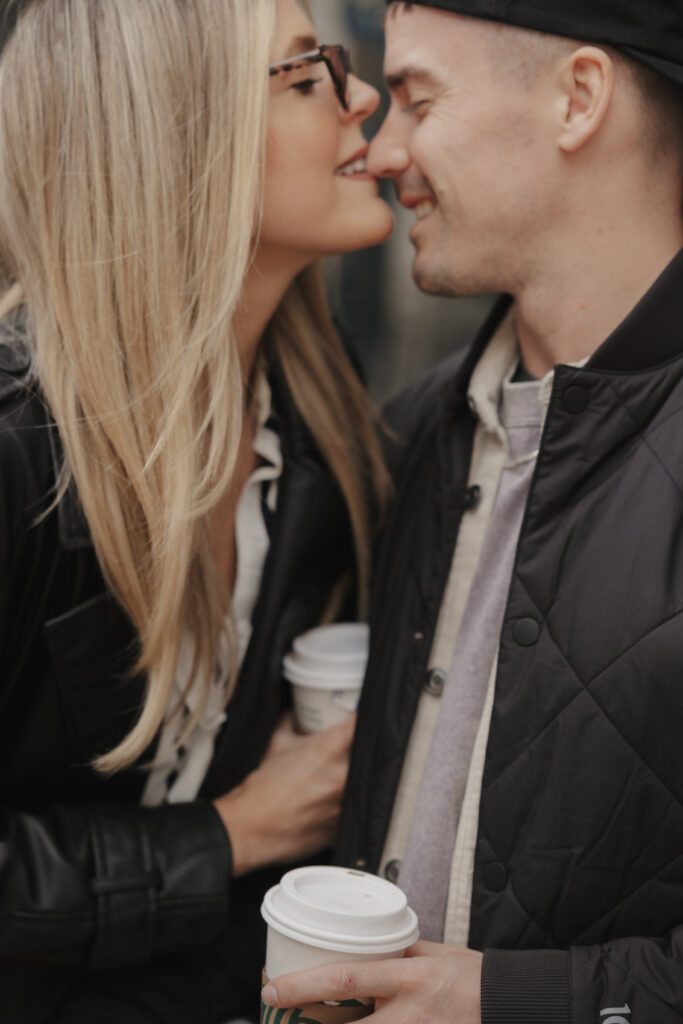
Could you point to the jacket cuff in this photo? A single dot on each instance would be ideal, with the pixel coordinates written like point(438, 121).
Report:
point(161, 880)
point(531, 987)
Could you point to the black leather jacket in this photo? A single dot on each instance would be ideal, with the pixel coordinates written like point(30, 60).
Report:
point(578, 873)
point(110, 910)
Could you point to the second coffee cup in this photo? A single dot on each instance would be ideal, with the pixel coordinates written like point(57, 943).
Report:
point(320, 915)
point(326, 668)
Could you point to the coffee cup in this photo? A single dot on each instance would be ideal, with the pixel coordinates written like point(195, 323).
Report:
point(321, 915)
point(326, 668)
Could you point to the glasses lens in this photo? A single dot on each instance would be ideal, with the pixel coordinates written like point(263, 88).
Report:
point(340, 68)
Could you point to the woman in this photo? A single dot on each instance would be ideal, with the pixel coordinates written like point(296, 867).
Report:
point(187, 464)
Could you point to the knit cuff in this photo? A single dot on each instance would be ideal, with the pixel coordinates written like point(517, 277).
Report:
point(531, 987)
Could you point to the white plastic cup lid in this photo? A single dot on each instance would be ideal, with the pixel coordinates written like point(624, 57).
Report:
point(342, 910)
point(342, 678)
point(341, 642)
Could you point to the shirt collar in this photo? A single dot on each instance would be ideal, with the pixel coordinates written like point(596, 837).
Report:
point(266, 441)
point(496, 365)
point(495, 368)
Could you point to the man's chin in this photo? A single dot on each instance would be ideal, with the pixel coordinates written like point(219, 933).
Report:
point(434, 280)
point(429, 279)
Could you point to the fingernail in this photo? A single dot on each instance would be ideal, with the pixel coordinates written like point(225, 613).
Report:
point(269, 995)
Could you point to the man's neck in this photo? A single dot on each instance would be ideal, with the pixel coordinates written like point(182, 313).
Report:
point(574, 304)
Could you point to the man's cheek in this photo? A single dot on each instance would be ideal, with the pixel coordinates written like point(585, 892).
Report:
point(428, 155)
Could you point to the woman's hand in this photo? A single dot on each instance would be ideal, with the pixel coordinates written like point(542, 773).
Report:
point(288, 809)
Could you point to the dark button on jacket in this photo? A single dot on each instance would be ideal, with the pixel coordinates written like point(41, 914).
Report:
point(526, 632)
point(472, 498)
point(435, 682)
point(495, 877)
point(392, 870)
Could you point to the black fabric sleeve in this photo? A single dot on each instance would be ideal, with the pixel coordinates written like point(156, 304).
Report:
point(526, 987)
point(628, 981)
point(637, 979)
point(111, 885)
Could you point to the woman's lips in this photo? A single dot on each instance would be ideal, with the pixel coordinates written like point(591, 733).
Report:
point(354, 165)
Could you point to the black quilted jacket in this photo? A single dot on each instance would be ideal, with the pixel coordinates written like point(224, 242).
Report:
point(578, 880)
point(113, 913)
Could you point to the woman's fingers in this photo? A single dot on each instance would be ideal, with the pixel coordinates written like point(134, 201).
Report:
point(338, 738)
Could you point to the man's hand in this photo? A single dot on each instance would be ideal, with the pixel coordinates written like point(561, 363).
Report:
point(434, 984)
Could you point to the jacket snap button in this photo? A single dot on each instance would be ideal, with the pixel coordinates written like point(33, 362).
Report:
point(392, 870)
point(435, 682)
point(575, 399)
point(495, 877)
point(526, 632)
point(471, 498)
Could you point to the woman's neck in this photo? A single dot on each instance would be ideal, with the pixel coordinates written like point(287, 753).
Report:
point(265, 286)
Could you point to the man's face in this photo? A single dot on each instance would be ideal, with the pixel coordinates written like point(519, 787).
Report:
point(464, 143)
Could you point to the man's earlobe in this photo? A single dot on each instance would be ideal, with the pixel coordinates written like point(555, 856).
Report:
point(587, 83)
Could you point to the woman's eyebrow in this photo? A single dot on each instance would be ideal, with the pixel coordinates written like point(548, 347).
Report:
point(300, 44)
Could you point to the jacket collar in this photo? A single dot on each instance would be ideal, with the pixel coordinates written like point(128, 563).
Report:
point(650, 336)
point(74, 533)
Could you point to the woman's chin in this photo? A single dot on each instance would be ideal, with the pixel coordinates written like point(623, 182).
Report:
point(372, 228)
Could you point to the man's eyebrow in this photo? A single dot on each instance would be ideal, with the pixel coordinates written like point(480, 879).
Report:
point(412, 73)
point(300, 44)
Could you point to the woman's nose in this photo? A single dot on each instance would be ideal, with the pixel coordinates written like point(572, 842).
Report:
point(363, 98)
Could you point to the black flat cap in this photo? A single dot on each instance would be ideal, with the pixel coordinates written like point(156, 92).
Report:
point(9, 12)
point(650, 31)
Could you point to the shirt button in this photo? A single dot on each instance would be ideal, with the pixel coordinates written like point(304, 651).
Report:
point(575, 399)
point(526, 632)
point(471, 498)
point(435, 682)
point(495, 877)
point(360, 863)
point(392, 871)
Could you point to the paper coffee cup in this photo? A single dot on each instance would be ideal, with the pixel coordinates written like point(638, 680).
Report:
point(326, 668)
point(322, 915)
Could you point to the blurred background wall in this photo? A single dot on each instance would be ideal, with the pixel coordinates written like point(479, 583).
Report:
point(397, 332)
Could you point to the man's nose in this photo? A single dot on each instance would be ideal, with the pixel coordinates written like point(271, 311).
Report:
point(389, 155)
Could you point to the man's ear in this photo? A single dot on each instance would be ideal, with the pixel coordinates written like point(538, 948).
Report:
point(586, 82)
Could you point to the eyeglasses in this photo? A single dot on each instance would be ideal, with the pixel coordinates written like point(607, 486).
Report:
point(336, 59)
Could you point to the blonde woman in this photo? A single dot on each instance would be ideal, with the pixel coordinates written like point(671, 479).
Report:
point(187, 469)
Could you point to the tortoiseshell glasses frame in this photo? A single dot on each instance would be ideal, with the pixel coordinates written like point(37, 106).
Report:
point(336, 59)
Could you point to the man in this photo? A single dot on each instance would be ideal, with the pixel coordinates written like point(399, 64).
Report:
point(518, 765)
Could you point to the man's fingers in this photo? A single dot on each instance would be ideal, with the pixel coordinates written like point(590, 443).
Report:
point(424, 948)
point(336, 982)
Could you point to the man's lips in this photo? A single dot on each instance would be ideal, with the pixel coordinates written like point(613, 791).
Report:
point(422, 204)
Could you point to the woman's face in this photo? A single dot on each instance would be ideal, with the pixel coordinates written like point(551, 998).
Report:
point(311, 207)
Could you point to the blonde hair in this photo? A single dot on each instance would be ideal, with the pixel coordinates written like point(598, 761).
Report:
point(132, 138)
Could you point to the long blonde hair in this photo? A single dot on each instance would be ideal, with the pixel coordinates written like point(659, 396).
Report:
point(132, 139)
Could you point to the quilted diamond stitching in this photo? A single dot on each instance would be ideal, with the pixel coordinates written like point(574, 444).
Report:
point(586, 688)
